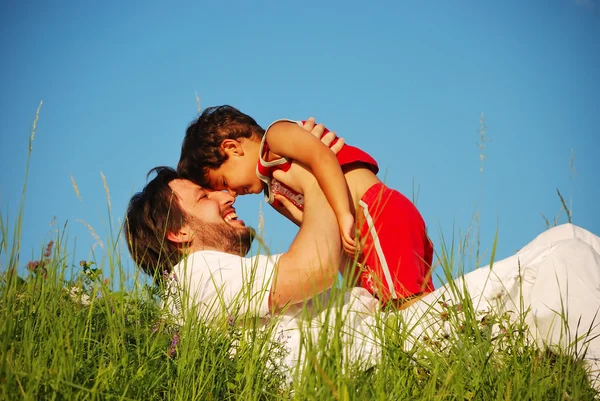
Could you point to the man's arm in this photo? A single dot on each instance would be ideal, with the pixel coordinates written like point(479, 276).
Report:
point(312, 263)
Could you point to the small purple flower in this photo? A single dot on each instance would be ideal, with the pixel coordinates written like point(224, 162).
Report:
point(49, 249)
point(165, 275)
point(231, 321)
point(32, 266)
point(173, 346)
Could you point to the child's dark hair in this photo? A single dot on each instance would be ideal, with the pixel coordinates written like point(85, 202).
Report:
point(201, 148)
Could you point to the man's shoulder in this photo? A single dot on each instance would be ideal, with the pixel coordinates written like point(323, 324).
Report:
point(205, 258)
point(218, 260)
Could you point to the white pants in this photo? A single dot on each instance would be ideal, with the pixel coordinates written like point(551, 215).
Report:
point(554, 280)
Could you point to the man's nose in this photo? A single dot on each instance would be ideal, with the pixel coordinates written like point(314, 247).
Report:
point(232, 192)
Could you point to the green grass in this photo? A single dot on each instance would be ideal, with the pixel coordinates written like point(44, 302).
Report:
point(68, 333)
point(98, 343)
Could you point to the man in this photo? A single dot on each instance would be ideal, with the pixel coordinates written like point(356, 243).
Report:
point(173, 217)
point(193, 219)
point(194, 236)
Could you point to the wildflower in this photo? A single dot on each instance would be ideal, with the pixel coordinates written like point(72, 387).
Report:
point(173, 346)
point(231, 321)
point(33, 265)
point(37, 267)
point(49, 249)
point(83, 263)
point(77, 295)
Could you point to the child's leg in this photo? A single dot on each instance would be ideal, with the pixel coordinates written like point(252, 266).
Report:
point(397, 253)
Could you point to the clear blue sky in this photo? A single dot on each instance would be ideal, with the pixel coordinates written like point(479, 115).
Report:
point(405, 80)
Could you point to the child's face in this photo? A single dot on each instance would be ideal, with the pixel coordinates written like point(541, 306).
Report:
point(237, 174)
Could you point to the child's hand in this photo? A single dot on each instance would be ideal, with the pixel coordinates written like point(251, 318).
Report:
point(347, 232)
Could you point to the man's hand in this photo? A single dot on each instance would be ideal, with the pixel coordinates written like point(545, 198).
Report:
point(327, 139)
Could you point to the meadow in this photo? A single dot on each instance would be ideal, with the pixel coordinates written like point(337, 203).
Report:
point(78, 332)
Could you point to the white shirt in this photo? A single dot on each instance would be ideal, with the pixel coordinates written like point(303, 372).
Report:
point(218, 285)
point(558, 272)
point(215, 283)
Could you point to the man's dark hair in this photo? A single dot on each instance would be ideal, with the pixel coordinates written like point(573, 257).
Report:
point(201, 148)
point(151, 214)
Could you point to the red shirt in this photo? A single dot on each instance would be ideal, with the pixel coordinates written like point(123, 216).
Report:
point(264, 169)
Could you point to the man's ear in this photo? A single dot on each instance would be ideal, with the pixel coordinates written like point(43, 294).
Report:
point(181, 236)
point(231, 147)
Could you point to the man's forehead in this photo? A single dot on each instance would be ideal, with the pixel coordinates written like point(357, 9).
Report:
point(187, 189)
point(183, 187)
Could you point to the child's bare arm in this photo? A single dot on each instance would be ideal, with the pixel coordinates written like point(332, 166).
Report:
point(288, 209)
point(290, 140)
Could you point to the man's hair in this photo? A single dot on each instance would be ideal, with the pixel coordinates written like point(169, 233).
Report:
point(151, 214)
point(201, 148)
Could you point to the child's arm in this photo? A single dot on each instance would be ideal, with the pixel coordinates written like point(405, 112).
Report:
point(290, 140)
point(288, 209)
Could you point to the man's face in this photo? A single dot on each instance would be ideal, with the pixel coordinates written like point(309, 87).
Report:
point(211, 219)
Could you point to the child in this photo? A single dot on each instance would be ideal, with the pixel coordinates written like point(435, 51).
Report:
point(226, 149)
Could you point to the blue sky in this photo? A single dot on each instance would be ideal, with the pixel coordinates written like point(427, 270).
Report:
point(406, 81)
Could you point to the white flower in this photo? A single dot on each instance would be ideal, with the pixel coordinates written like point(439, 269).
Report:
point(79, 296)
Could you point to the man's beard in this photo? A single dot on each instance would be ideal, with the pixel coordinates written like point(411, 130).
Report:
point(221, 237)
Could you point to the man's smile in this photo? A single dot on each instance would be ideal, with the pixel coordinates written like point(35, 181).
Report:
point(231, 217)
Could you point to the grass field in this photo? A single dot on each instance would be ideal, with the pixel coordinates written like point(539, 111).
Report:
point(73, 333)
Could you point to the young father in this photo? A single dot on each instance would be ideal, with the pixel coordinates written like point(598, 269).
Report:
point(173, 217)
point(177, 229)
